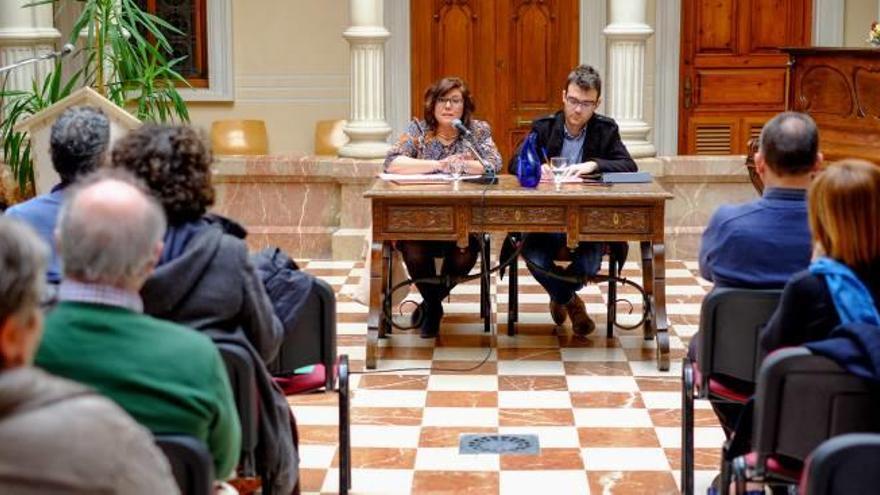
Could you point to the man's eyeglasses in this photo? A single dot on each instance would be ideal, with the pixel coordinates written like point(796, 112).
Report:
point(456, 102)
point(585, 104)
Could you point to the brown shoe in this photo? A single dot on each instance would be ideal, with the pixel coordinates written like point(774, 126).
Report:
point(581, 324)
point(558, 313)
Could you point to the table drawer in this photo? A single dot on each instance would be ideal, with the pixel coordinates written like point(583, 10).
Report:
point(518, 215)
point(424, 219)
point(611, 219)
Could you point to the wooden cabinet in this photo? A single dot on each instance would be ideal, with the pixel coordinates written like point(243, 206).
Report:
point(840, 89)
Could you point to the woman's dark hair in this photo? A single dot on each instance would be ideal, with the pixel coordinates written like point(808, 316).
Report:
point(441, 88)
point(175, 163)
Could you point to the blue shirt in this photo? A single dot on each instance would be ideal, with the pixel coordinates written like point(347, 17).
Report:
point(41, 213)
point(572, 145)
point(759, 244)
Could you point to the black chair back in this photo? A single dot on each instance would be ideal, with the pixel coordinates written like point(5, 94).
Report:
point(242, 378)
point(314, 338)
point(844, 464)
point(730, 326)
point(802, 400)
point(191, 463)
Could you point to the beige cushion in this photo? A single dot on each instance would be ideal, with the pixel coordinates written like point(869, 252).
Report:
point(239, 137)
point(329, 137)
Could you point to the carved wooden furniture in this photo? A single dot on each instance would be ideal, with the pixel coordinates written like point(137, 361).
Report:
point(838, 87)
point(622, 212)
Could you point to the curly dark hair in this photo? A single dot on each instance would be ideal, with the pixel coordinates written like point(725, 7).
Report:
point(175, 163)
point(441, 88)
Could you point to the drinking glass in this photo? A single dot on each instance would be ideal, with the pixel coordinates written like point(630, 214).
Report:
point(558, 165)
point(456, 169)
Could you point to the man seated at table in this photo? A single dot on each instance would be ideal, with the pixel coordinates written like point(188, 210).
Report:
point(591, 143)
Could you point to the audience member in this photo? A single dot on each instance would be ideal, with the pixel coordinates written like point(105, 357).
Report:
point(842, 285)
point(205, 279)
point(762, 243)
point(169, 378)
point(57, 435)
point(78, 145)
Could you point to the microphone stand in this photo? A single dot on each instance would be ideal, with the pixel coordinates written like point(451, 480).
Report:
point(489, 176)
point(27, 61)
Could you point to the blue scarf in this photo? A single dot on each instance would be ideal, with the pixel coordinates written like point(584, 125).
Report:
point(851, 298)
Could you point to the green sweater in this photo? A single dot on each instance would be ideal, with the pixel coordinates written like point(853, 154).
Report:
point(169, 378)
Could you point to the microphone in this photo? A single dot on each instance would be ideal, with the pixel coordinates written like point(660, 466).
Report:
point(67, 49)
point(459, 126)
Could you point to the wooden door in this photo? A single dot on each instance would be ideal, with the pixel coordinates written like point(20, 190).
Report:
point(733, 74)
point(514, 55)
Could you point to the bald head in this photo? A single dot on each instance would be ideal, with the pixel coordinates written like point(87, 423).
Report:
point(109, 231)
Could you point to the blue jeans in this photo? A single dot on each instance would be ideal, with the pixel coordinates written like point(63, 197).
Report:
point(544, 249)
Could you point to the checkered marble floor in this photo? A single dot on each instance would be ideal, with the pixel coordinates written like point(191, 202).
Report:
point(608, 421)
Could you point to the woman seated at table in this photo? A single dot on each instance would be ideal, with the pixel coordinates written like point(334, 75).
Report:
point(430, 146)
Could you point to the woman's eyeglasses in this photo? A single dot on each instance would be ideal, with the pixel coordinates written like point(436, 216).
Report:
point(456, 102)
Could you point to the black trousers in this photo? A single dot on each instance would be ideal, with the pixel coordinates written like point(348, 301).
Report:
point(419, 259)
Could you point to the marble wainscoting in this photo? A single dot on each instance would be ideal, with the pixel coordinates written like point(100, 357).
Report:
point(313, 207)
point(700, 184)
point(310, 206)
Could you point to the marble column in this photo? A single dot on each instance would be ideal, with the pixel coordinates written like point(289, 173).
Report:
point(626, 35)
point(366, 127)
point(26, 32)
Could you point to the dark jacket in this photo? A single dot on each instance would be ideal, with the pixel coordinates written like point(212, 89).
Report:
point(855, 347)
point(806, 311)
point(212, 284)
point(602, 144)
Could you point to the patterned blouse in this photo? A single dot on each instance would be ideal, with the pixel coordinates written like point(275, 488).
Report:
point(418, 142)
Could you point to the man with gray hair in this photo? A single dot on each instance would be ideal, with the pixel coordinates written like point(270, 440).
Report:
point(95, 446)
point(78, 145)
point(168, 377)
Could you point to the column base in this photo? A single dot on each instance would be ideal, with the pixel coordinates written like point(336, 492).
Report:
point(635, 137)
point(364, 150)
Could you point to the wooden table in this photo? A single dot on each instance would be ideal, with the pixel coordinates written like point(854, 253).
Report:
point(622, 212)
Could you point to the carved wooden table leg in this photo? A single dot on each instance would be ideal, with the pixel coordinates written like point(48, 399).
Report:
point(648, 285)
point(660, 321)
point(375, 320)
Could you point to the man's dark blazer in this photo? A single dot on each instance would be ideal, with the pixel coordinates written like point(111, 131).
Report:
point(601, 145)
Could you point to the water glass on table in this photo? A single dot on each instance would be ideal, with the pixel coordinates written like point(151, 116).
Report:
point(456, 169)
point(558, 165)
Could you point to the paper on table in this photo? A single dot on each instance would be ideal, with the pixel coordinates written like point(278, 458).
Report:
point(422, 177)
point(574, 179)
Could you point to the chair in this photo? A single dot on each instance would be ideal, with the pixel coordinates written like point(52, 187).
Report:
point(844, 464)
point(617, 253)
point(801, 400)
point(312, 341)
point(191, 463)
point(239, 137)
point(329, 137)
point(727, 361)
point(485, 284)
point(242, 378)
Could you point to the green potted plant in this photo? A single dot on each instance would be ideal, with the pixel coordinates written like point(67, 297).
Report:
point(123, 55)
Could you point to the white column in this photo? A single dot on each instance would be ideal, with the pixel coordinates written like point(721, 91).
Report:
point(626, 35)
point(26, 32)
point(366, 128)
